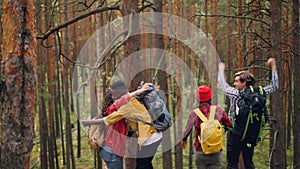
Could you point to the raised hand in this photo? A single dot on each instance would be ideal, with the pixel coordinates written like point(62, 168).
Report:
point(272, 63)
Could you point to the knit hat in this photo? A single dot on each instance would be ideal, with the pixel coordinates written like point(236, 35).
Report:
point(204, 93)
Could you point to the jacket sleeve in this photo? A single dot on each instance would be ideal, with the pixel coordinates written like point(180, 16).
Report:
point(121, 101)
point(226, 88)
point(273, 86)
point(133, 110)
point(189, 125)
point(224, 118)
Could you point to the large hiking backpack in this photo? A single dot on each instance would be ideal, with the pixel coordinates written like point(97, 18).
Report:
point(156, 107)
point(96, 134)
point(252, 115)
point(211, 135)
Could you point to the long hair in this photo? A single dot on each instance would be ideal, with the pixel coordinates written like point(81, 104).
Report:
point(108, 101)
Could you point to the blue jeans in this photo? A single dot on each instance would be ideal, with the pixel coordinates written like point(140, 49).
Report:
point(112, 160)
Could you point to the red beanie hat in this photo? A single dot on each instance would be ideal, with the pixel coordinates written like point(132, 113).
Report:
point(204, 93)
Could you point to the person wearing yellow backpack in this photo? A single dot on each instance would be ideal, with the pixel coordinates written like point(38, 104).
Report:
point(208, 140)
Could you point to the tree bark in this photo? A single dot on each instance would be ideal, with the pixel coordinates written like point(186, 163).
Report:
point(213, 77)
point(50, 77)
point(277, 124)
point(19, 75)
point(240, 39)
point(70, 162)
point(131, 45)
point(296, 116)
point(1, 35)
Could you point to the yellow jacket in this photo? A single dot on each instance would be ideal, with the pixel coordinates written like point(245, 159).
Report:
point(134, 111)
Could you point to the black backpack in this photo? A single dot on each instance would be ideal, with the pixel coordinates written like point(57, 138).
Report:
point(156, 107)
point(252, 115)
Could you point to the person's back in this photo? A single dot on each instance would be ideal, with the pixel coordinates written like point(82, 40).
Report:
point(115, 138)
point(148, 137)
point(202, 160)
point(242, 80)
point(113, 150)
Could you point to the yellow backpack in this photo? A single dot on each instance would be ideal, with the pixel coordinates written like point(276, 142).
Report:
point(211, 136)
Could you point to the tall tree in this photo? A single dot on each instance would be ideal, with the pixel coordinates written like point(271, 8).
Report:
point(69, 145)
point(133, 43)
point(296, 117)
point(278, 143)
point(43, 123)
point(240, 33)
point(130, 7)
point(158, 43)
point(178, 51)
point(19, 93)
point(50, 78)
point(213, 65)
point(0, 40)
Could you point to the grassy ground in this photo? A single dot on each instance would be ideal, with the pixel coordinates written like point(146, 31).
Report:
point(86, 161)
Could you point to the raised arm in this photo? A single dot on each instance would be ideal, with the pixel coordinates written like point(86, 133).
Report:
point(273, 86)
point(188, 128)
point(227, 89)
point(125, 98)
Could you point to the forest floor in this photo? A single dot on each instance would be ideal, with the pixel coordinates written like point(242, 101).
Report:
point(86, 161)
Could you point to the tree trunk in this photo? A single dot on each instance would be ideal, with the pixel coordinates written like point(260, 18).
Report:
point(50, 77)
point(43, 122)
point(59, 99)
point(240, 38)
point(296, 117)
point(69, 145)
point(213, 77)
point(1, 35)
point(19, 75)
point(131, 45)
point(278, 149)
point(229, 51)
point(133, 42)
point(158, 43)
point(240, 53)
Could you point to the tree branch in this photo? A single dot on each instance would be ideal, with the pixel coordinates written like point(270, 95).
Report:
point(98, 61)
point(49, 32)
point(234, 16)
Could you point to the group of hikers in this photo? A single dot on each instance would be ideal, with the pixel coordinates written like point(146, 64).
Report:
point(124, 114)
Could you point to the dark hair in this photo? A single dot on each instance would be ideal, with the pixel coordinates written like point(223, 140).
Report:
point(246, 76)
point(108, 101)
point(209, 102)
point(118, 85)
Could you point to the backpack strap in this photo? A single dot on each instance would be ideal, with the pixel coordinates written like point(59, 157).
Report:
point(251, 89)
point(212, 112)
point(200, 114)
point(261, 91)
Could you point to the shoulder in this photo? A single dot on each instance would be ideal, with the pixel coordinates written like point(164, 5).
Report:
point(220, 112)
point(135, 104)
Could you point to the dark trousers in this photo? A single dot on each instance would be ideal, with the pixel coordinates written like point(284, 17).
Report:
point(234, 148)
point(145, 156)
